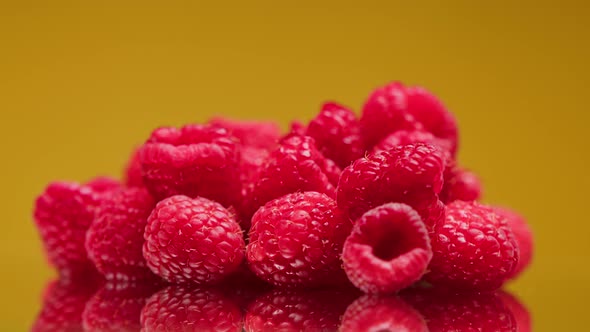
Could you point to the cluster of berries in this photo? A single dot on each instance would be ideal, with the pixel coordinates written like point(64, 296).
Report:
point(117, 307)
point(378, 202)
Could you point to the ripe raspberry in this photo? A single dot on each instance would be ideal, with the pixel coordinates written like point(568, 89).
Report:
point(521, 314)
point(103, 185)
point(192, 240)
point(433, 115)
point(63, 213)
point(461, 185)
point(411, 174)
point(288, 310)
point(64, 303)
point(465, 312)
point(473, 250)
point(388, 249)
point(255, 134)
point(296, 127)
point(179, 308)
point(132, 174)
point(116, 307)
point(114, 240)
point(405, 137)
point(385, 313)
point(296, 240)
point(251, 163)
point(336, 132)
point(395, 107)
point(296, 165)
point(196, 160)
point(385, 112)
point(523, 236)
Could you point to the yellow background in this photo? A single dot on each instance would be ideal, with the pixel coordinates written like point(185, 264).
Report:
point(82, 82)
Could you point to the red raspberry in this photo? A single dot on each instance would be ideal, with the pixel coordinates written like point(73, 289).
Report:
point(465, 312)
point(255, 134)
point(296, 127)
point(461, 185)
point(405, 137)
point(192, 240)
point(114, 240)
point(374, 313)
point(295, 166)
point(336, 132)
point(64, 303)
point(388, 249)
point(63, 213)
point(433, 115)
point(395, 107)
point(522, 234)
point(519, 311)
point(103, 185)
point(473, 250)
point(116, 307)
point(288, 310)
point(296, 240)
point(196, 160)
point(178, 308)
point(411, 174)
point(132, 174)
point(251, 163)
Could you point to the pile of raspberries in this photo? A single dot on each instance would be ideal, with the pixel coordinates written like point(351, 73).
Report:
point(378, 202)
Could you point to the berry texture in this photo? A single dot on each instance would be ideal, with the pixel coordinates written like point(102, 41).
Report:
point(114, 241)
point(388, 249)
point(462, 185)
point(405, 137)
point(63, 305)
point(255, 134)
point(289, 310)
point(296, 240)
point(519, 311)
point(192, 240)
point(179, 308)
point(336, 132)
point(295, 166)
point(473, 250)
point(63, 213)
point(132, 176)
point(522, 234)
point(116, 307)
point(410, 174)
point(395, 107)
point(382, 313)
point(195, 160)
point(465, 312)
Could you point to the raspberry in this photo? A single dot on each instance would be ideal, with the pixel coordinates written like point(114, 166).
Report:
point(385, 112)
point(461, 185)
point(296, 165)
point(405, 137)
point(433, 115)
point(388, 249)
point(297, 127)
point(255, 134)
point(103, 185)
point(521, 314)
point(64, 303)
point(523, 236)
point(251, 163)
point(473, 250)
point(296, 240)
point(288, 310)
point(465, 312)
point(386, 313)
point(63, 213)
point(192, 240)
point(196, 160)
point(411, 174)
point(132, 173)
point(116, 307)
point(114, 240)
point(336, 132)
point(395, 107)
point(179, 308)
